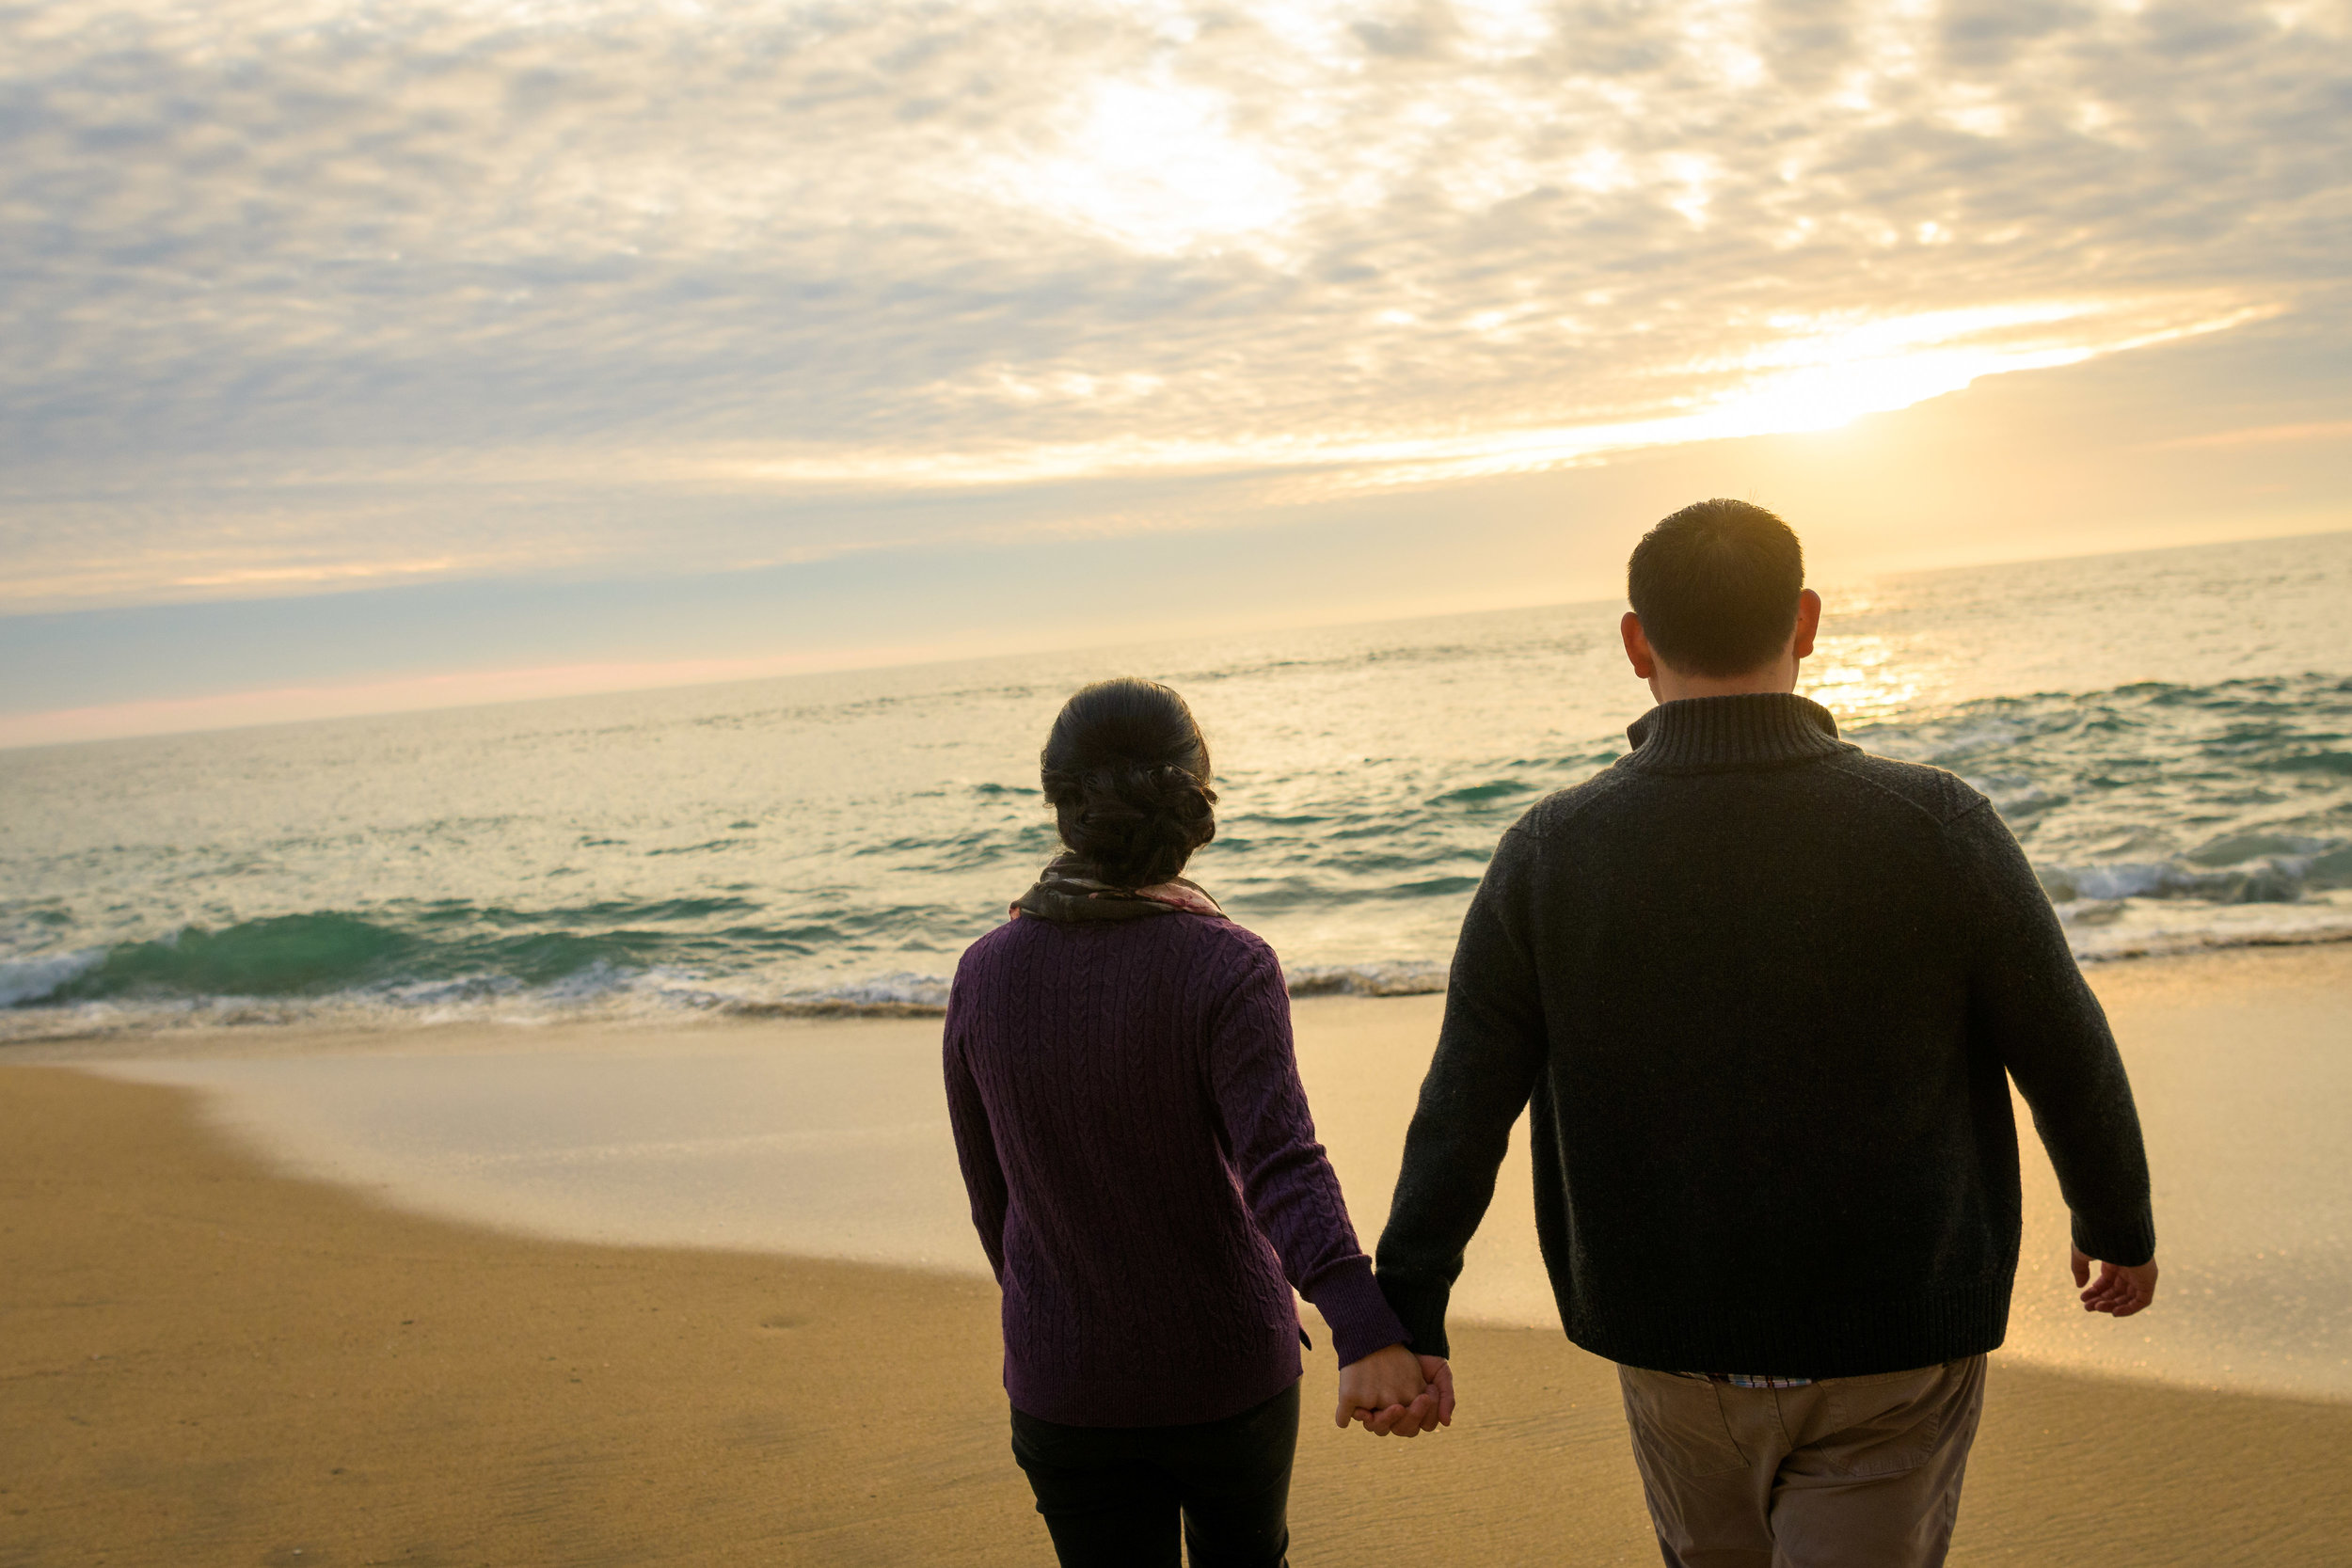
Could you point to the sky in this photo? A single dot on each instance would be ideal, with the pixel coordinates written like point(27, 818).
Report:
point(363, 356)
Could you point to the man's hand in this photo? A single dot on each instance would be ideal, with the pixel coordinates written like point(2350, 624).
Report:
point(1439, 1377)
point(1390, 1392)
point(2120, 1291)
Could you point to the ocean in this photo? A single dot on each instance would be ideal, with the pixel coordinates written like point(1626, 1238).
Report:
point(2170, 733)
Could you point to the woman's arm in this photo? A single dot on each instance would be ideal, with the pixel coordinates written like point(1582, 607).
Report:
point(976, 1147)
point(1289, 1184)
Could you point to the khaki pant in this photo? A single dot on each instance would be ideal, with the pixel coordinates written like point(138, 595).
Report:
point(1850, 1472)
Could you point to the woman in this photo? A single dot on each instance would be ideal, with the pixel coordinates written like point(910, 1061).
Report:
point(1144, 1174)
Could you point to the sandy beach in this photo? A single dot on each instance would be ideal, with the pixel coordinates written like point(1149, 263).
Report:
point(213, 1356)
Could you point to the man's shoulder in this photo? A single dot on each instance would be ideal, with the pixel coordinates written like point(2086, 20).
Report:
point(1932, 793)
point(1942, 796)
point(1555, 811)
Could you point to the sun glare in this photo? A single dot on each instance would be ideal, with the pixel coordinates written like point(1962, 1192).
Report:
point(1862, 677)
point(1807, 374)
point(1154, 166)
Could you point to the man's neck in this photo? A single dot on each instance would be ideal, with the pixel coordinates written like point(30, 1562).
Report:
point(1673, 686)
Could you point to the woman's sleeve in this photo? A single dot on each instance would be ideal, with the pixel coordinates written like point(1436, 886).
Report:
point(1289, 1184)
point(976, 1146)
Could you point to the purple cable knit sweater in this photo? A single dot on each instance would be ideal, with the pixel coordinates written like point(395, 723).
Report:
point(1143, 1172)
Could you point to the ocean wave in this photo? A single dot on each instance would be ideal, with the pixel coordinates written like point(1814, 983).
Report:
point(2160, 805)
point(1397, 978)
point(309, 955)
point(33, 979)
point(2099, 940)
point(2160, 818)
point(903, 995)
point(603, 992)
point(2256, 878)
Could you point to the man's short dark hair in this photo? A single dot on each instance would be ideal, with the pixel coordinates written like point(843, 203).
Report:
point(1716, 587)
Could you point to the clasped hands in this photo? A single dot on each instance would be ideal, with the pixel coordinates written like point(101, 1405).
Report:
point(1396, 1393)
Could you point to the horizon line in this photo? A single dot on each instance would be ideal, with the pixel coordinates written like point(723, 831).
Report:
point(672, 674)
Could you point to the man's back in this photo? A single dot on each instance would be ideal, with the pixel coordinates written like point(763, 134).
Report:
point(1764, 991)
point(1766, 994)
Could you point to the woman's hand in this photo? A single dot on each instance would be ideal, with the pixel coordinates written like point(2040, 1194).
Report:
point(1391, 1392)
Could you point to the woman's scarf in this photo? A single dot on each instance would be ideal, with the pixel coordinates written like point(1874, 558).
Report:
point(1072, 889)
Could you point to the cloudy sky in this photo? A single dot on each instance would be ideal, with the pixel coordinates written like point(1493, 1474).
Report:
point(379, 355)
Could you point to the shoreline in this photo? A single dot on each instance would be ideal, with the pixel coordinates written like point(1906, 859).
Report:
point(351, 1014)
point(241, 1033)
point(211, 1362)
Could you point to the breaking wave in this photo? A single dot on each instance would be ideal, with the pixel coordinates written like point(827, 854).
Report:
point(2161, 817)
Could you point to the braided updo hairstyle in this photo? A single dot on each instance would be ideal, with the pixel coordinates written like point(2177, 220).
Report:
point(1127, 773)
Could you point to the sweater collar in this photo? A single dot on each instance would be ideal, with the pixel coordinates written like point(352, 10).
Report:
point(1754, 728)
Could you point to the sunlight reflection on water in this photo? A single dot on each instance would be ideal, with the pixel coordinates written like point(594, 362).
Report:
point(1869, 676)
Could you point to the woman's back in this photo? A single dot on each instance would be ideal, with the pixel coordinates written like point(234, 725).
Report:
point(1144, 1176)
point(1133, 1131)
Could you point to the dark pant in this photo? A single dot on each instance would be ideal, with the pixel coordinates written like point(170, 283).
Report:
point(1112, 1496)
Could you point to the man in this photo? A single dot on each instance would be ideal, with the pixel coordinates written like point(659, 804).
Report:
point(1766, 994)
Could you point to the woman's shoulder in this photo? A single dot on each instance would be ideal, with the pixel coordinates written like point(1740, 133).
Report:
point(992, 946)
point(1225, 934)
point(1227, 955)
point(1198, 936)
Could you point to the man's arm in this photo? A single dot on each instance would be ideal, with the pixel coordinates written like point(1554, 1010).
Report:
point(2029, 998)
point(1489, 1051)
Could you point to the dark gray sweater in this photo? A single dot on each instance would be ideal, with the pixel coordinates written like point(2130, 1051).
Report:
point(1766, 992)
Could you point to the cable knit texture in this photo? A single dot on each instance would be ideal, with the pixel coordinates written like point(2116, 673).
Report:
point(1766, 994)
point(1143, 1171)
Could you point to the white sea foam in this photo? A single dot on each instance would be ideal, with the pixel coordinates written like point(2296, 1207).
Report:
point(1398, 978)
point(2140, 927)
point(24, 980)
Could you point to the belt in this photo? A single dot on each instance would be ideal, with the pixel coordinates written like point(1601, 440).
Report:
point(1755, 1380)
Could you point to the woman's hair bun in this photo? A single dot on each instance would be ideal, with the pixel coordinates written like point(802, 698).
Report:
point(1126, 771)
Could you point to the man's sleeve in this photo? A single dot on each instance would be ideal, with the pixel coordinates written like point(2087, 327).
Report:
point(2028, 999)
point(1489, 1050)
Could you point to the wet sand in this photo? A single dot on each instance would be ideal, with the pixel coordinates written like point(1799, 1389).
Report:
point(830, 1139)
point(209, 1362)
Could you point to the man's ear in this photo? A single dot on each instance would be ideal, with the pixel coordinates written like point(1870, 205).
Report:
point(1808, 623)
point(1637, 646)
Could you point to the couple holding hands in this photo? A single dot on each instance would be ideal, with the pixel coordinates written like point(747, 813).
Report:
point(1762, 995)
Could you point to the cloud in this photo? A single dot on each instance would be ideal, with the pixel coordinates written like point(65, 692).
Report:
point(2327, 430)
point(300, 293)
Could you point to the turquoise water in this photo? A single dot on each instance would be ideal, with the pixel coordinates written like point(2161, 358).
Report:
point(2170, 733)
